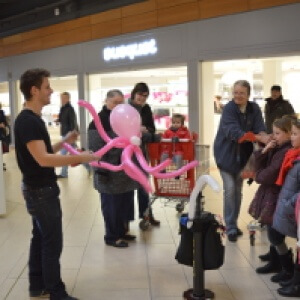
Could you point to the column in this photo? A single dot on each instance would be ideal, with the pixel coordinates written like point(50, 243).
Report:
point(82, 83)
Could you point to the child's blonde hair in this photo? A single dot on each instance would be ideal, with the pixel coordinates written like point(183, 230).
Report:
point(180, 117)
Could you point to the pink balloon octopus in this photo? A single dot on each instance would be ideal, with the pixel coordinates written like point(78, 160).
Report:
point(125, 122)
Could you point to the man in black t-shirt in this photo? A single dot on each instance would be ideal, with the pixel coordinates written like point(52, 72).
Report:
point(36, 159)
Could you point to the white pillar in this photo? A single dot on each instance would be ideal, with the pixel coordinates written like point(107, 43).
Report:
point(2, 186)
point(272, 74)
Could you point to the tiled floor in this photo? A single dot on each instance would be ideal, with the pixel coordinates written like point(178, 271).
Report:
point(146, 270)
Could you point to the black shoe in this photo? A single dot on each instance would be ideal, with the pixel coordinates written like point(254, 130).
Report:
point(129, 237)
point(287, 265)
point(117, 244)
point(154, 222)
point(232, 237)
point(273, 266)
point(61, 176)
point(265, 257)
point(290, 291)
point(282, 276)
point(239, 232)
point(286, 282)
point(69, 298)
point(39, 294)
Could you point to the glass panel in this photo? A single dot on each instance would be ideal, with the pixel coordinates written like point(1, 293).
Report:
point(168, 90)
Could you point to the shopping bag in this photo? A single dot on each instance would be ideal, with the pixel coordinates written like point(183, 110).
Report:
point(249, 170)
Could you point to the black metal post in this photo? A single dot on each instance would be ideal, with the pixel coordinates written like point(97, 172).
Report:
point(198, 292)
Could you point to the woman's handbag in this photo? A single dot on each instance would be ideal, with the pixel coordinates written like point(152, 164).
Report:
point(5, 147)
point(212, 246)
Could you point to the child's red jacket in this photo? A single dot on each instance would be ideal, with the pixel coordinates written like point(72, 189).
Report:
point(181, 133)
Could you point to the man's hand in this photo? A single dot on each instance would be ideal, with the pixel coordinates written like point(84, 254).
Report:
point(263, 138)
point(71, 137)
point(144, 129)
point(247, 137)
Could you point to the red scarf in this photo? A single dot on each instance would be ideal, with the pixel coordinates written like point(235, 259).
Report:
point(289, 158)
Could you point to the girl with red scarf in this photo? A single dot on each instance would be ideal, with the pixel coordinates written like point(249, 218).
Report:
point(268, 161)
point(284, 221)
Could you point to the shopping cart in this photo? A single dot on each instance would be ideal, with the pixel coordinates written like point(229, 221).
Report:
point(172, 189)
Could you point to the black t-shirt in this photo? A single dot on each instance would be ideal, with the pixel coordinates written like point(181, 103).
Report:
point(30, 127)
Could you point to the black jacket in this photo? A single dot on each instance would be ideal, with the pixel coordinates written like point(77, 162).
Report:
point(67, 119)
point(275, 109)
point(147, 118)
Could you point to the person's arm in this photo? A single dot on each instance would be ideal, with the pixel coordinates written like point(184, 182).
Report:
point(230, 124)
point(289, 109)
point(37, 149)
point(269, 174)
point(149, 122)
point(70, 138)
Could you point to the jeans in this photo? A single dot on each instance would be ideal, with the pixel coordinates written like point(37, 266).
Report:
point(232, 188)
point(64, 169)
point(115, 209)
point(176, 159)
point(43, 205)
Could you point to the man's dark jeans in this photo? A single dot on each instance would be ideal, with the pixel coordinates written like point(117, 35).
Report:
point(43, 205)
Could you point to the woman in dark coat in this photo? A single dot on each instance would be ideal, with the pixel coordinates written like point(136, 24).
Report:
point(268, 162)
point(138, 99)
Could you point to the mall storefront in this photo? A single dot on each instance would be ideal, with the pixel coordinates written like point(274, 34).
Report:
point(185, 66)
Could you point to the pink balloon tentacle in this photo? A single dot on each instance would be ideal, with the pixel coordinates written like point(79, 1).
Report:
point(96, 119)
point(133, 171)
point(70, 149)
point(111, 144)
point(141, 159)
point(178, 172)
point(107, 166)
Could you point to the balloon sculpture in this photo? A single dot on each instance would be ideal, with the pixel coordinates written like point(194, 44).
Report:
point(126, 123)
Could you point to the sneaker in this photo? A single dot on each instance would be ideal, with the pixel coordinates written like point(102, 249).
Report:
point(39, 294)
point(232, 237)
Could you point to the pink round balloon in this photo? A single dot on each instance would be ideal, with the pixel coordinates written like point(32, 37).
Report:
point(125, 121)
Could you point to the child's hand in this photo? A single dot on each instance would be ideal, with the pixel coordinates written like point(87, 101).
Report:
point(269, 146)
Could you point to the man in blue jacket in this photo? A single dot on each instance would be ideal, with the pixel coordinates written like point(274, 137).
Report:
point(241, 124)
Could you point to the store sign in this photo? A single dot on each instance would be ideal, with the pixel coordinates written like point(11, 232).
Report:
point(130, 51)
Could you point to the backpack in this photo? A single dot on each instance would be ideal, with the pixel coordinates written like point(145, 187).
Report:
point(212, 246)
